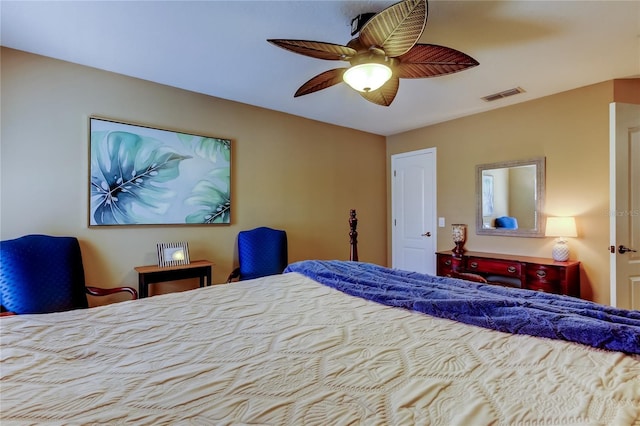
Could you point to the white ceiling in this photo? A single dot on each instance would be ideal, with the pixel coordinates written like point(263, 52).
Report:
point(219, 48)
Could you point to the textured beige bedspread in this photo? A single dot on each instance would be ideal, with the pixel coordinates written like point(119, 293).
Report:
point(286, 350)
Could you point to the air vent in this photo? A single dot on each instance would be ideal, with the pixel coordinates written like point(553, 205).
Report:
point(503, 94)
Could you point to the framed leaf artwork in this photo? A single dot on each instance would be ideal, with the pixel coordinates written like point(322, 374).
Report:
point(143, 175)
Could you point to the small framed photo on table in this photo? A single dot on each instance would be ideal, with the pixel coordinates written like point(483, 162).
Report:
point(173, 254)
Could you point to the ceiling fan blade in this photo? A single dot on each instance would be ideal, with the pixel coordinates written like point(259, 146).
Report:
point(316, 49)
point(397, 28)
point(384, 95)
point(321, 81)
point(430, 60)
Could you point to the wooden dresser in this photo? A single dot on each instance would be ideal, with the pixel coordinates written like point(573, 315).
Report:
point(533, 273)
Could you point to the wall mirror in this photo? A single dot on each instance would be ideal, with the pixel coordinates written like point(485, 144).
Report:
point(510, 198)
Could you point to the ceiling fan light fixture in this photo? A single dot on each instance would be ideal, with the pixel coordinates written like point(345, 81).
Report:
point(367, 77)
point(385, 50)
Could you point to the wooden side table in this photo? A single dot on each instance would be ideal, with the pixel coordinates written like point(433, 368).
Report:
point(154, 274)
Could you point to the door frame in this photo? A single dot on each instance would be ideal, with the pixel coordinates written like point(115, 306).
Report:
point(434, 206)
point(613, 286)
point(614, 123)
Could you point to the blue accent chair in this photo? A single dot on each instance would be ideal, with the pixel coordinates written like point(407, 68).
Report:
point(507, 222)
point(42, 274)
point(261, 252)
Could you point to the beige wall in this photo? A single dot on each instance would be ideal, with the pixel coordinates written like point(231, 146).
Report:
point(287, 172)
point(290, 172)
point(571, 130)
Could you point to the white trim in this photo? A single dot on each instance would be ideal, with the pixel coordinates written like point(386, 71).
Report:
point(613, 295)
point(634, 284)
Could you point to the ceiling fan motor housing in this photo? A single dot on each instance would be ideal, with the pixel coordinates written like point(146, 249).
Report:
point(359, 21)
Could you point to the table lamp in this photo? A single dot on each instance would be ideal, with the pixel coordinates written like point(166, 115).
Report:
point(561, 227)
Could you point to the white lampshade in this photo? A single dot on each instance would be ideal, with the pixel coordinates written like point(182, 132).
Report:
point(367, 77)
point(561, 227)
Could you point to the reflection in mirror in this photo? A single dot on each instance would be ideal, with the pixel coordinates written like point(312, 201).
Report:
point(510, 198)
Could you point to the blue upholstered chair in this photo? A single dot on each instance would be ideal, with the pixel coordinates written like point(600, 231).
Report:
point(507, 222)
point(41, 274)
point(261, 252)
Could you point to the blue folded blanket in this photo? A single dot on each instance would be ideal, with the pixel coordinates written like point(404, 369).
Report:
point(504, 309)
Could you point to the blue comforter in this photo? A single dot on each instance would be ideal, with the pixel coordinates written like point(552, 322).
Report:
point(499, 308)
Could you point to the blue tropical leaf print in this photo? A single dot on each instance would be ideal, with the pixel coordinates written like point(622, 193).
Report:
point(207, 148)
point(215, 204)
point(210, 196)
point(128, 172)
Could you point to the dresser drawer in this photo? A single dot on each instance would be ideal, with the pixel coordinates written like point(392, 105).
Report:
point(544, 278)
point(543, 286)
point(447, 264)
point(543, 273)
point(494, 267)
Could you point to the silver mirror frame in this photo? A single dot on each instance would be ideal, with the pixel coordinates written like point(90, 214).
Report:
point(540, 163)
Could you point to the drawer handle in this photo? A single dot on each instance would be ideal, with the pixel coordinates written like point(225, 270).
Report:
point(473, 265)
point(540, 273)
point(447, 262)
point(511, 269)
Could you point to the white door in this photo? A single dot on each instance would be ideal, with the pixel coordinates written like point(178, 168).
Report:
point(413, 205)
point(625, 205)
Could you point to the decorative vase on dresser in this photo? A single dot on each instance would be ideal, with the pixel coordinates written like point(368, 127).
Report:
point(459, 235)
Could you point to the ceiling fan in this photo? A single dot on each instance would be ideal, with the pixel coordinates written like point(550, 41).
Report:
point(384, 51)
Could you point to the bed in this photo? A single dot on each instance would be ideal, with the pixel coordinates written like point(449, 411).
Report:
point(309, 347)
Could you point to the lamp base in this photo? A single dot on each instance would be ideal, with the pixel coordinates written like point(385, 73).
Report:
point(560, 251)
point(458, 250)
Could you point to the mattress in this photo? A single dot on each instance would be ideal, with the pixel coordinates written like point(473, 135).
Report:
point(285, 350)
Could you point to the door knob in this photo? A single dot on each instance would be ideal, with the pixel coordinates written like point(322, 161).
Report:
point(426, 234)
point(623, 250)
